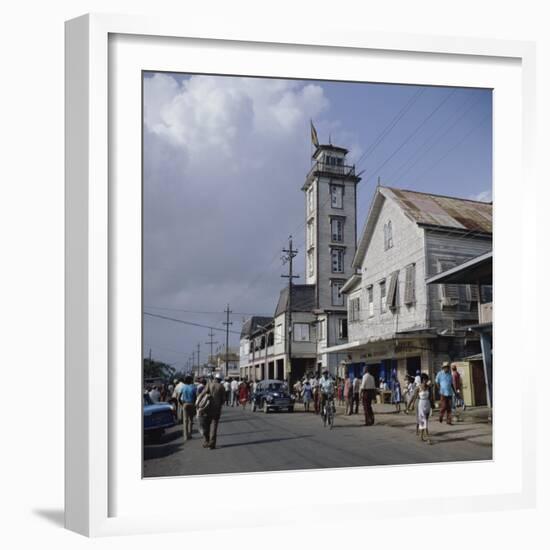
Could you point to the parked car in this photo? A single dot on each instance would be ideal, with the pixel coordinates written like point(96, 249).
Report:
point(156, 418)
point(272, 395)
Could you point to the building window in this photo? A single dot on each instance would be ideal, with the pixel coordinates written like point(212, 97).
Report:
point(342, 329)
point(310, 263)
point(270, 338)
point(383, 296)
point(337, 297)
point(410, 284)
point(337, 230)
point(321, 329)
point(392, 299)
point(301, 332)
point(278, 333)
point(354, 309)
point(449, 294)
point(310, 199)
point(336, 196)
point(370, 301)
point(388, 236)
point(310, 239)
point(337, 259)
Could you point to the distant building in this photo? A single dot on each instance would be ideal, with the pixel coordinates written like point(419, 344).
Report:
point(396, 322)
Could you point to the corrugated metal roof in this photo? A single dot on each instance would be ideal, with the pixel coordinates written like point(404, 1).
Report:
point(303, 299)
point(251, 324)
point(442, 211)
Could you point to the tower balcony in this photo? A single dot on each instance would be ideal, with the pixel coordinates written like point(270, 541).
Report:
point(343, 171)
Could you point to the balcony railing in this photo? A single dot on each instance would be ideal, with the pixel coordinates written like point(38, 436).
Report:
point(341, 170)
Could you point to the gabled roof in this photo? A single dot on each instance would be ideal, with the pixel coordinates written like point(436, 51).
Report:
point(303, 299)
point(428, 210)
point(253, 323)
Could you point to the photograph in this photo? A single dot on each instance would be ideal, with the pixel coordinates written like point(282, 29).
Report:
point(317, 273)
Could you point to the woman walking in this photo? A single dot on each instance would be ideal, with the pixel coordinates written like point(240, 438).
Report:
point(423, 408)
point(243, 394)
point(307, 395)
point(396, 393)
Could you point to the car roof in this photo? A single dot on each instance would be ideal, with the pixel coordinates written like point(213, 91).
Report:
point(271, 382)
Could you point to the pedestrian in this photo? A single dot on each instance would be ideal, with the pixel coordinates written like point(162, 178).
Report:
point(444, 383)
point(307, 395)
point(348, 394)
point(200, 388)
point(457, 394)
point(340, 386)
point(417, 379)
point(244, 393)
point(234, 392)
point(188, 396)
point(210, 407)
point(175, 400)
point(368, 393)
point(356, 394)
point(422, 396)
point(227, 388)
point(154, 394)
point(396, 393)
point(316, 395)
point(297, 390)
point(409, 392)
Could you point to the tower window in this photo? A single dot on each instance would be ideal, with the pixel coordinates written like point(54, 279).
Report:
point(336, 195)
point(310, 199)
point(383, 296)
point(337, 258)
point(301, 332)
point(310, 263)
point(370, 301)
point(310, 239)
point(342, 329)
point(337, 298)
point(337, 229)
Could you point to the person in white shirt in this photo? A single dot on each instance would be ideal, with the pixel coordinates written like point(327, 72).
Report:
point(368, 393)
point(154, 395)
point(234, 392)
point(178, 386)
point(227, 388)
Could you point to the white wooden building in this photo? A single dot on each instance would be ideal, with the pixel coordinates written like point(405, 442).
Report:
point(396, 322)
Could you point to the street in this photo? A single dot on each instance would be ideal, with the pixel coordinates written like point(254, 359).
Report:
point(259, 442)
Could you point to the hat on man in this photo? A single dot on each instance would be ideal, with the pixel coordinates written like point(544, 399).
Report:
point(446, 364)
point(218, 376)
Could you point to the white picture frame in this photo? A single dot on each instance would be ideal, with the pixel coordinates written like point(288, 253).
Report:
point(95, 304)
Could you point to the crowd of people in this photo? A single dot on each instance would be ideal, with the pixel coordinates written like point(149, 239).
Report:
point(202, 400)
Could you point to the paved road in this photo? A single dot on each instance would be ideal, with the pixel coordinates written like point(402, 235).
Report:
point(255, 442)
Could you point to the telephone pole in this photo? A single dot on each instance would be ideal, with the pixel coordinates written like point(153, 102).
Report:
point(199, 357)
point(211, 342)
point(288, 256)
point(227, 324)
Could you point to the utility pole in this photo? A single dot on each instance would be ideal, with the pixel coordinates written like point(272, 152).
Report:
point(288, 256)
point(211, 342)
point(227, 324)
point(193, 362)
point(199, 357)
point(150, 355)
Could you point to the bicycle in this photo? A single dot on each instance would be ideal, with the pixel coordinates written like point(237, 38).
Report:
point(328, 412)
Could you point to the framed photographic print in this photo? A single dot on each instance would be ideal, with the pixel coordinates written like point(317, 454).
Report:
point(281, 273)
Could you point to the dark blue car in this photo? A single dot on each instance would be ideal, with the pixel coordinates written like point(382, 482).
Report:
point(272, 395)
point(156, 418)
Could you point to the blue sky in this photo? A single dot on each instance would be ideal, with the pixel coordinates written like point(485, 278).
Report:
point(224, 161)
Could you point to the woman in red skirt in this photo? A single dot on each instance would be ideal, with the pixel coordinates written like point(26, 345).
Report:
point(243, 393)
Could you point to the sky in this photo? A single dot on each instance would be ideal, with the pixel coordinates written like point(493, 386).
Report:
point(224, 159)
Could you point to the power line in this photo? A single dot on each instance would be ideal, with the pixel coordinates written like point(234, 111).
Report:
point(166, 318)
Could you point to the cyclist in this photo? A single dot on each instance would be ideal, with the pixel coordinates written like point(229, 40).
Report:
point(326, 387)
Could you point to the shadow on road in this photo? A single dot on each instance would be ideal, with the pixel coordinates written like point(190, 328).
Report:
point(262, 441)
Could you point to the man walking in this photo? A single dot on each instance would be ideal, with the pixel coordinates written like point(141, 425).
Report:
point(234, 392)
point(212, 412)
point(368, 393)
point(356, 394)
point(444, 383)
point(188, 394)
point(348, 394)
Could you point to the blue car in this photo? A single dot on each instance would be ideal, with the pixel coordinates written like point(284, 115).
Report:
point(156, 418)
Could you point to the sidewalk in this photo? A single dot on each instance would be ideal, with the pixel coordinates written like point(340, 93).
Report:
point(472, 425)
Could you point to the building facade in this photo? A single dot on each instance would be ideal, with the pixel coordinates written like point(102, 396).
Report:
point(396, 322)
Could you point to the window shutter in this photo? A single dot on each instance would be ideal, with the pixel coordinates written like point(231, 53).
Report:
point(410, 276)
point(391, 299)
